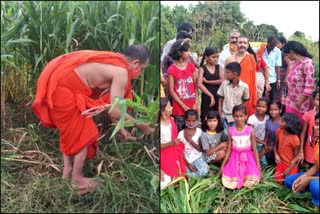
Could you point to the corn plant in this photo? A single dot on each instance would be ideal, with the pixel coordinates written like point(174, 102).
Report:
point(35, 32)
point(143, 113)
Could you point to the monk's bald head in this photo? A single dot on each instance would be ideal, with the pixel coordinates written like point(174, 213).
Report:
point(139, 52)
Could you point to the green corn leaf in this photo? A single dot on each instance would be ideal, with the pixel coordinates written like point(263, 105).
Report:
point(298, 208)
point(123, 111)
point(21, 40)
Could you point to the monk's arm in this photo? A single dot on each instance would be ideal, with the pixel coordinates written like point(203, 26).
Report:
point(118, 85)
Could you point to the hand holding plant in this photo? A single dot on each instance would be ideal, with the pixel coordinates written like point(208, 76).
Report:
point(145, 128)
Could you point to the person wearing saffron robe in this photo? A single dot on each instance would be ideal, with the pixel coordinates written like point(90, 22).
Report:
point(248, 71)
point(75, 82)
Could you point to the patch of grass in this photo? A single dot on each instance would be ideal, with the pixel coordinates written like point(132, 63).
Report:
point(195, 195)
point(31, 169)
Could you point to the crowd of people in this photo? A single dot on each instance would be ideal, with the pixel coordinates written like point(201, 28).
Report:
point(248, 118)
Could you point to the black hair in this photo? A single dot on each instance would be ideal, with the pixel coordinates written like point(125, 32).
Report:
point(317, 116)
point(163, 103)
point(213, 115)
point(190, 112)
point(240, 107)
point(296, 47)
point(279, 105)
point(139, 52)
point(208, 52)
point(293, 124)
point(234, 67)
point(242, 36)
point(178, 46)
point(314, 93)
point(183, 35)
point(185, 26)
point(272, 39)
point(282, 40)
point(251, 51)
point(263, 99)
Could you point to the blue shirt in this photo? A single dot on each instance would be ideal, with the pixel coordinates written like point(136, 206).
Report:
point(271, 128)
point(273, 59)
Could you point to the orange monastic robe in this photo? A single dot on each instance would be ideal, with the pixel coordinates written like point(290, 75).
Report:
point(61, 97)
point(248, 75)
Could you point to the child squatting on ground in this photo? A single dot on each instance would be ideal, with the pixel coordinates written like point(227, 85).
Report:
point(287, 146)
point(309, 180)
point(190, 136)
point(213, 139)
point(172, 163)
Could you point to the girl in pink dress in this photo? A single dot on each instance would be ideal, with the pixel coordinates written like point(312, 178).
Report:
point(241, 166)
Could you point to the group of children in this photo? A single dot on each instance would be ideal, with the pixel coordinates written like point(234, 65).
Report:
point(269, 136)
point(240, 143)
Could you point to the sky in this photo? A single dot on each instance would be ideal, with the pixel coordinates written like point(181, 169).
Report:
point(287, 17)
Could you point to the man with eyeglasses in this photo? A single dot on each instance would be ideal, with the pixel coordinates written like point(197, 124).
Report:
point(231, 50)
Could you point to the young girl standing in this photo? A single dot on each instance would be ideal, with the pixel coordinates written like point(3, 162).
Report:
point(213, 139)
point(258, 122)
point(190, 135)
point(182, 79)
point(287, 146)
point(209, 79)
point(172, 162)
point(276, 110)
point(241, 166)
point(306, 148)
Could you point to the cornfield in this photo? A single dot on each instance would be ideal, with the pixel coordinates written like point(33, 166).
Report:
point(32, 34)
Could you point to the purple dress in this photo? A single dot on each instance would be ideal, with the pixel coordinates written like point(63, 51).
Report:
point(241, 169)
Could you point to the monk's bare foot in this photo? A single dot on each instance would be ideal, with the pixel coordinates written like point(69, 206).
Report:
point(83, 185)
point(67, 174)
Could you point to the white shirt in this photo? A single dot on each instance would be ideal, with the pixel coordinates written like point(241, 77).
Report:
point(258, 126)
point(223, 57)
point(165, 133)
point(190, 152)
point(167, 47)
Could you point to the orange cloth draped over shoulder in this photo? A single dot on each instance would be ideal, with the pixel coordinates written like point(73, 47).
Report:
point(62, 96)
point(248, 75)
point(261, 49)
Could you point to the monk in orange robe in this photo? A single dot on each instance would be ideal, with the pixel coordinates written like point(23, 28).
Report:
point(248, 71)
point(81, 80)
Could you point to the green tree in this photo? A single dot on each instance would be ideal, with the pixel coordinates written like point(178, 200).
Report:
point(167, 28)
point(299, 34)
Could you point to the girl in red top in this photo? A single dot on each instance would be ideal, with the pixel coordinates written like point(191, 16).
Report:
point(171, 163)
point(182, 82)
point(287, 146)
